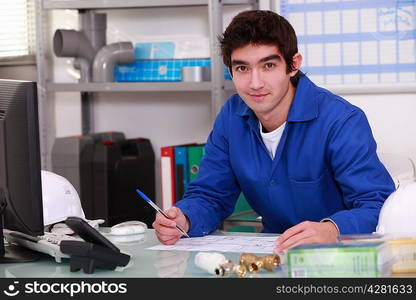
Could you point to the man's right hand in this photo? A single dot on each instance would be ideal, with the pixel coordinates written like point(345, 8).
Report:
point(166, 230)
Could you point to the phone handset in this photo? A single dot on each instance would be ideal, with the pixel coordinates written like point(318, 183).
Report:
point(96, 252)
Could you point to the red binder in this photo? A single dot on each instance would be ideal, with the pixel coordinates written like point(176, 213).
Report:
point(167, 163)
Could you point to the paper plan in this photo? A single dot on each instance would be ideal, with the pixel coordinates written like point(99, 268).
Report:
point(256, 244)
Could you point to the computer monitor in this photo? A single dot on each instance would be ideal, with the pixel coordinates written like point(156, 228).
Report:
point(20, 168)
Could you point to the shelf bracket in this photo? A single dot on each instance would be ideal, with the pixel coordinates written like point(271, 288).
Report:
point(217, 67)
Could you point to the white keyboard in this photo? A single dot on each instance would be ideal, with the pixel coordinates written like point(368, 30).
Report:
point(47, 243)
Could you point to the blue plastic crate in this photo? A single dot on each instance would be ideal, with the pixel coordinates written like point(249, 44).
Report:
point(158, 70)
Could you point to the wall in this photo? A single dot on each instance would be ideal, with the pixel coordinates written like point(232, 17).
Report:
point(392, 118)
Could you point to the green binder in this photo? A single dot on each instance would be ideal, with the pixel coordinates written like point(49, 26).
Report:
point(195, 154)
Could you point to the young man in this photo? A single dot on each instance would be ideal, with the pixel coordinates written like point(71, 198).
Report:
point(304, 158)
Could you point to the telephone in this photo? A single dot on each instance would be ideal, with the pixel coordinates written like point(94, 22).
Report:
point(96, 252)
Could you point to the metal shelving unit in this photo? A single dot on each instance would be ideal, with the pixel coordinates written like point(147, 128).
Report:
point(46, 85)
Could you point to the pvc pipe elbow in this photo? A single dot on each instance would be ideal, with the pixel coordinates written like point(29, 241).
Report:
point(107, 57)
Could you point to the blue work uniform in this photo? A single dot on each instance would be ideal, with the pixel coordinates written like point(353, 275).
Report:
point(325, 167)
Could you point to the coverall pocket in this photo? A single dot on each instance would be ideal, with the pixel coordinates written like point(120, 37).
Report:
point(310, 197)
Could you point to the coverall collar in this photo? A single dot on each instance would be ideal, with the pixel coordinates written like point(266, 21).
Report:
point(303, 108)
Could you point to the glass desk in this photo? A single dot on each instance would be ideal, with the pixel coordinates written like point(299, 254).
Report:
point(143, 262)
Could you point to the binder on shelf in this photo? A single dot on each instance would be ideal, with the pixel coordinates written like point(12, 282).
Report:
point(168, 176)
point(167, 162)
point(195, 154)
point(181, 170)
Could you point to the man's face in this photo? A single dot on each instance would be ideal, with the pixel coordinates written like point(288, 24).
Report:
point(259, 75)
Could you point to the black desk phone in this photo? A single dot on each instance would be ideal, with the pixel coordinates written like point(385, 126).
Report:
point(96, 252)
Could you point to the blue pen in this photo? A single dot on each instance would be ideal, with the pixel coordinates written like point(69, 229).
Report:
point(152, 204)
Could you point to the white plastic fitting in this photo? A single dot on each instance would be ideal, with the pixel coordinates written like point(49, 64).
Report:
point(209, 261)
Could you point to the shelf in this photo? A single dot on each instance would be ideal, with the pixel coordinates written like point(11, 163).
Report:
point(134, 86)
point(128, 86)
point(102, 4)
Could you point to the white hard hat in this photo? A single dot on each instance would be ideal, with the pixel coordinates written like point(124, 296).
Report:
point(60, 199)
point(398, 214)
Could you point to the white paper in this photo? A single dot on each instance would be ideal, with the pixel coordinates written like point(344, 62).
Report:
point(250, 244)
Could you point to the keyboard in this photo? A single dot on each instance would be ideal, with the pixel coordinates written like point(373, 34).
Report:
point(47, 243)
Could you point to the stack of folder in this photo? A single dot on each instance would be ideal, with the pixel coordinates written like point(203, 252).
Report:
point(179, 166)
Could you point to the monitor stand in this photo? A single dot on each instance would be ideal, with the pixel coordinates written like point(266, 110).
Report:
point(13, 253)
point(17, 254)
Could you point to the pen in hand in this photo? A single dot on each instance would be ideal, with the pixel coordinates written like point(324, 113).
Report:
point(152, 204)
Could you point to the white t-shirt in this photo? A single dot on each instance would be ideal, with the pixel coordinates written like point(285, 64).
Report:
point(271, 139)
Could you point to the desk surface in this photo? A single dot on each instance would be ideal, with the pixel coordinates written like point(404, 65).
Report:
point(144, 262)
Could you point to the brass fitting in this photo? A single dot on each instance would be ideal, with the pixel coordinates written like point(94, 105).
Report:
point(271, 261)
point(229, 268)
point(254, 263)
point(250, 261)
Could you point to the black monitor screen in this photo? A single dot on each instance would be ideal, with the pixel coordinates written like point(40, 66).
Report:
point(20, 167)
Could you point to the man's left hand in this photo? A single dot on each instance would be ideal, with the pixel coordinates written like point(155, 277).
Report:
point(306, 233)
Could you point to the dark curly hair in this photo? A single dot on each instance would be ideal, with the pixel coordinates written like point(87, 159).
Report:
point(260, 27)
